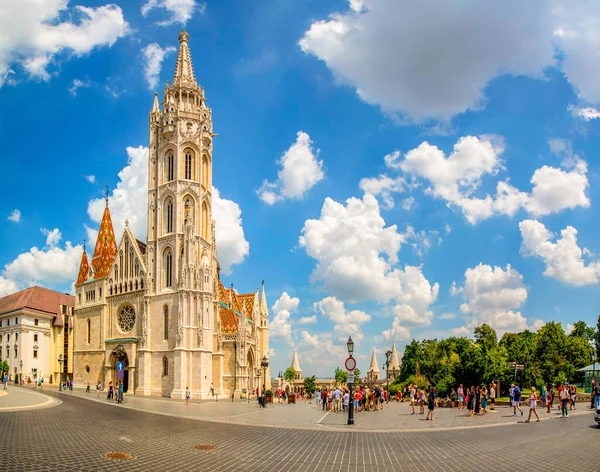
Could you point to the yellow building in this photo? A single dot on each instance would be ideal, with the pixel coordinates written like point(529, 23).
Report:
point(159, 306)
point(36, 334)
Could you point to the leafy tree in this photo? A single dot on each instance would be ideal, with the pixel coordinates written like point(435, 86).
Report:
point(550, 350)
point(310, 384)
point(290, 374)
point(341, 376)
point(357, 373)
point(582, 330)
point(412, 354)
point(578, 351)
point(485, 336)
point(4, 367)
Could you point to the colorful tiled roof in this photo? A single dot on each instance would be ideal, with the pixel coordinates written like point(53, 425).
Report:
point(106, 247)
point(229, 321)
point(84, 268)
point(247, 299)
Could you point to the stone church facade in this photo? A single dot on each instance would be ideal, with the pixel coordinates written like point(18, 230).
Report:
point(159, 306)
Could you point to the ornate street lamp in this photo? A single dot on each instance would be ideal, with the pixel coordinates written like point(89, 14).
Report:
point(265, 364)
point(21, 370)
point(387, 372)
point(593, 368)
point(350, 345)
point(60, 361)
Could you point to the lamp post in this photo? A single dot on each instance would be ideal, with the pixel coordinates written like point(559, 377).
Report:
point(388, 353)
point(21, 371)
point(593, 368)
point(265, 364)
point(350, 345)
point(60, 361)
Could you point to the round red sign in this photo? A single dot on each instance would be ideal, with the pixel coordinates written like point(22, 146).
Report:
point(350, 364)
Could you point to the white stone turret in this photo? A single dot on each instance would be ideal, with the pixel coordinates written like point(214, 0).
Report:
point(393, 369)
point(296, 365)
point(373, 373)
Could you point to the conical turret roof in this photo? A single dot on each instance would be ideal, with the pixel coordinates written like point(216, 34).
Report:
point(263, 301)
point(184, 72)
point(373, 367)
point(295, 362)
point(84, 267)
point(394, 362)
point(106, 246)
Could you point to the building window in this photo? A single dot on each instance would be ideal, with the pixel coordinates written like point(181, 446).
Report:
point(205, 170)
point(36, 322)
point(0, 323)
point(64, 309)
point(35, 353)
point(8, 322)
point(166, 322)
point(79, 298)
point(17, 320)
point(126, 318)
point(16, 352)
point(100, 293)
point(8, 337)
point(87, 369)
point(165, 366)
point(35, 338)
point(7, 351)
point(168, 268)
point(170, 167)
point(16, 337)
point(188, 165)
point(89, 331)
point(169, 216)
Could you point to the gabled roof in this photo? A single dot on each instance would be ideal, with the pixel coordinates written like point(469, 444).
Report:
point(38, 299)
point(247, 299)
point(229, 321)
point(106, 246)
point(84, 268)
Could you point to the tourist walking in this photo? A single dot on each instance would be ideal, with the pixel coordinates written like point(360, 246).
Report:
point(5, 381)
point(597, 395)
point(413, 393)
point(573, 397)
point(461, 397)
point(431, 403)
point(187, 395)
point(517, 400)
point(98, 388)
point(421, 402)
point(471, 400)
point(324, 397)
point(532, 406)
point(544, 394)
point(593, 397)
point(109, 396)
point(346, 400)
point(484, 393)
point(493, 388)
point(564, 400)
point(477, 400)
point(358, 400)
point(87, 387)
point(550, 398)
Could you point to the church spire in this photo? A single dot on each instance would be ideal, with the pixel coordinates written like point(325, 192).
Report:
point(295, 362)
point(374, 368)
point(84, 267)
point(106, 245)
point(184, 73)
point(394, 363)
point(263, 300)
point(155, 107)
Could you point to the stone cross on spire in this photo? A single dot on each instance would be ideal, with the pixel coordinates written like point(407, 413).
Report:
point(184, 73)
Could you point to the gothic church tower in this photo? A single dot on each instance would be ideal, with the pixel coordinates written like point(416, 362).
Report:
point(177, 331)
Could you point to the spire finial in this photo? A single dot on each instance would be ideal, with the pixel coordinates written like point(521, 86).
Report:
point(106, 195)
point(183, 36)
point(84, 245)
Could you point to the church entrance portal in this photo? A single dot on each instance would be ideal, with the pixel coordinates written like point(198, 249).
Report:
point(119, 354)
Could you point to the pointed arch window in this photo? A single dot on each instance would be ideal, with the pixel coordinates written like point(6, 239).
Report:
point(166, 322)
point(205, 171)
point(170, 167)
point(89, 330)
point(205, 221)
point(188, 165)
point(165, 366)
point(168, 268)
point(169, 213)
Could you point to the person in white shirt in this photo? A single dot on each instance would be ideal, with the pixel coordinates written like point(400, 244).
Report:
point(533, 405)
point(413, 392)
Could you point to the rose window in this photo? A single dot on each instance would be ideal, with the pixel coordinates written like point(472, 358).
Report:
point(126, 318)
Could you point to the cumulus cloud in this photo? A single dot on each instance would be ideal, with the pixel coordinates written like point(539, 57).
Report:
point(281, 326)
point(232, 247)
point(90, 178)
point(357, 259)
point(320, 351)
point(179, 11)
point(7, 286)
point(77, 84)
point(153, 57)
point(34, 33)
point(492, 296)
point(564, 259)
point(459, 47)
point(307, 320)
point(50, 265)
point(300, 171)
point(585, 113)
point(457, 177)
point(346, 323)
point(15, 215)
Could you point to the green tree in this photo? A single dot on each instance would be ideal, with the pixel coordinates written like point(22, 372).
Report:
point(357, 373)
point(578, 352)
point(341, 376)
point(310, 384)
point(582, 330)
point(4, 367)
point(290, 374)
point(486, 337)
point(550, 350)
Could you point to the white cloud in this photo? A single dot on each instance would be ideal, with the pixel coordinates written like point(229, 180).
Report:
point(491, 296)
point(585, 113)
point(180, 11)
point(51, 265)
point(447, 229)
point(346, 323)
point(77, 84)
point(15, 215)
point(300, 171)
point(33, 33)
point(52, 237)
point(564, 259)
point(459, 47)
point(408, 203)
point(457, 177)
point(90, 178)
point(129, 201)
point(7, 286)
point(307, 320)
point(318, 351)
point(281, 326)
point(447, 316)
point(232, 247)
point(397, 332)
point(384, 186)
point(153, 58)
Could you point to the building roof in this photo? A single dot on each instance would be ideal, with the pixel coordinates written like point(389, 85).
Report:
point(184, 72)
point(394, 362)
point(229, 321)
point(142, 246)
point(38, 299)
point(296, 362)
point(106, 247)
point(84, 268)
point(373, 367)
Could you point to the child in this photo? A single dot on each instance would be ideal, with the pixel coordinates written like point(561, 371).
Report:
point(532, 406)
point(187, 396)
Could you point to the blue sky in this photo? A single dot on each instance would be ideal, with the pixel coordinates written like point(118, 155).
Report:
point(428, 168)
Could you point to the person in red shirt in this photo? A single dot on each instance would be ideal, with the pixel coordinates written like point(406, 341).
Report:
point(357, 400)
point(324, 399)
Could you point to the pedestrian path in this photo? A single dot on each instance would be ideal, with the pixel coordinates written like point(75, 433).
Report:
point(396, 417)
point(19, 399)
